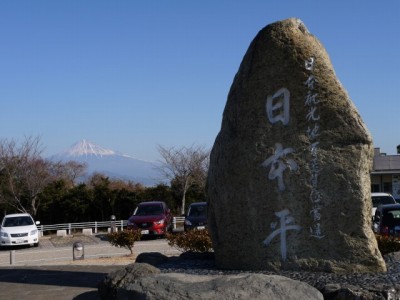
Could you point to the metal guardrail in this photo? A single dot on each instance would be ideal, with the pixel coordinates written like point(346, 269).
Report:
point(97, 225)
point(94, 225)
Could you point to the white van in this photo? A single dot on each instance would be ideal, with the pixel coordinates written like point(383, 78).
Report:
point(380, 199)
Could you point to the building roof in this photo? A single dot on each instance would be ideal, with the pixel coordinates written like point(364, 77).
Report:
point(385, 164)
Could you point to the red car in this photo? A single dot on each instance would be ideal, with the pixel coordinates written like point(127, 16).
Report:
point(152, 218)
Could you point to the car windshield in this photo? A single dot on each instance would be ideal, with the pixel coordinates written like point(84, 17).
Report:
point(148, 210)
point(379, 200)
point(17, 221)
point(391, 218)
point(197, 211)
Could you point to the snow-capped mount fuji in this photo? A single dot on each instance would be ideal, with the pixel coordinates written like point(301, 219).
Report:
point(111, 163)
point(84, 148)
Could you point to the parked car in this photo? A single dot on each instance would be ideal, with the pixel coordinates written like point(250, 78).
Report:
point(19, 229)
point(381, 199)
point(387, 220)
point(153, 218)
point(196, 217)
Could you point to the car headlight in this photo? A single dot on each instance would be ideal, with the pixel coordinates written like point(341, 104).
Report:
point(33, 232)
point(188, 223)
point(159, 222)
point(3, 234)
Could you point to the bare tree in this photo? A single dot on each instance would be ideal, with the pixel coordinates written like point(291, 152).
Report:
point(70, 171)
point(186, 166)
point(23, 174)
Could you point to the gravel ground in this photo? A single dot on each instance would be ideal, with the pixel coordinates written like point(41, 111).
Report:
point(377, 284)
point(69, 240)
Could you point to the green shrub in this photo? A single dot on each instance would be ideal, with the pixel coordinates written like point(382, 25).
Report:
point(387, 244)
point(192, 240)
point(125, 238)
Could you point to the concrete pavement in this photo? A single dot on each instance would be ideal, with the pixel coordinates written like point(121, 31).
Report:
point(49, 272)
point(53, 282)
point(53, 251)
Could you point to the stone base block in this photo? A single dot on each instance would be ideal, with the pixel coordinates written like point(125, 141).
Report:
point(62, 232)
point(87, 231)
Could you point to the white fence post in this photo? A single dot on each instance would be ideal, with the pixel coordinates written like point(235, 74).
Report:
point(95, 227)
point(177, 220)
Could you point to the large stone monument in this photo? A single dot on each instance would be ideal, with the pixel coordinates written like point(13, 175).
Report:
point(289, 178)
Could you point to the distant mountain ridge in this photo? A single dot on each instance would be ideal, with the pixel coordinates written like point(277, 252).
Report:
point(111, 163)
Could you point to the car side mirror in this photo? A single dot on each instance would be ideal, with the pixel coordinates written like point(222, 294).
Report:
point(37, 222)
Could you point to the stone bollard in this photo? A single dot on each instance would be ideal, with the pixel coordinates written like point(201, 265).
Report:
point(113, 227)
point(12, 257)
point(78, 251)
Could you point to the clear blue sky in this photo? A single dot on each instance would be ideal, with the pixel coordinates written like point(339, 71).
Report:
point(129, 75)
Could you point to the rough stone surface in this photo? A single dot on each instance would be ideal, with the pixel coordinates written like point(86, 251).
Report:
point(199, 287)
point(289, 171)
point(347, 292)
point(151, 258)
point(353, 286)
point(108, 288)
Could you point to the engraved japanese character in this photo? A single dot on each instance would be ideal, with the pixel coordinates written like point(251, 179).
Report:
point(279, 164)
point(278, 106)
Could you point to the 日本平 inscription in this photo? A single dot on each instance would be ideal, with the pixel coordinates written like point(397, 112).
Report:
point(277, 109)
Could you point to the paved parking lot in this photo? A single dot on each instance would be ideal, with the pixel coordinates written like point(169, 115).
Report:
point(58, 250)
point(49, 271)
point(52, 282)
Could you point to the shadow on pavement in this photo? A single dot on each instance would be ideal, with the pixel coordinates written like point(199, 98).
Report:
point(87, 296)
point(63, 282)
point(51, 277)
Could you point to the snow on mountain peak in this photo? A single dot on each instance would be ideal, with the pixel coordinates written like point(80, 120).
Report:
point(84, 147)
point(111, 163)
